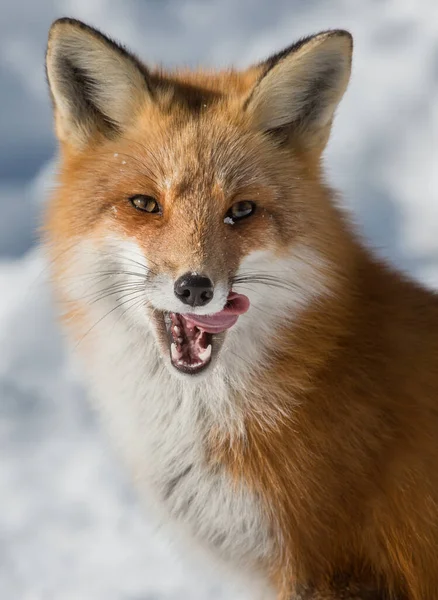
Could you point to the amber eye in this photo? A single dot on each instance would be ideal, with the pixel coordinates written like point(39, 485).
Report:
point(145, 203)
point(240, 210)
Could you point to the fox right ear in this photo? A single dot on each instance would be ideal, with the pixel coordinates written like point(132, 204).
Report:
point(96, 85)
point(298, 89)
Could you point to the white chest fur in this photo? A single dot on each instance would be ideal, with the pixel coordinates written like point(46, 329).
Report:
point(161, 425)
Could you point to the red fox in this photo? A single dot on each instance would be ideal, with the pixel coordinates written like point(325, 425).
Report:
point(272, 385)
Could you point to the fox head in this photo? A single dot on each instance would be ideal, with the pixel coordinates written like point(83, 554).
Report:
point(192, 204)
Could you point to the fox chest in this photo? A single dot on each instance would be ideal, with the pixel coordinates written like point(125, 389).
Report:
point(162, 433)
point(202, 497)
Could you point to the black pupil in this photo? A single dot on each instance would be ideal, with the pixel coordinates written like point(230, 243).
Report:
point(242, 209)
point(146, 203)
point(150, 205)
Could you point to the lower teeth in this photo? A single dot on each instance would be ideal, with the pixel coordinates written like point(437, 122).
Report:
point(176, 354)
point(205, 355)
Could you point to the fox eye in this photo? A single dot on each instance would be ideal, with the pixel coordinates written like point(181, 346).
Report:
point(241, 210)
point(145, 203)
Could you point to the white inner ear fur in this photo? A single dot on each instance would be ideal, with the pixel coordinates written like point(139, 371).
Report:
point(283, 96)
point(118, 86)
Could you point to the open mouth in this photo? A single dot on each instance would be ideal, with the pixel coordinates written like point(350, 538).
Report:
point(192, 338)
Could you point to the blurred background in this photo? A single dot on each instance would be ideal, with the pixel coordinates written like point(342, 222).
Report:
point(70, 524)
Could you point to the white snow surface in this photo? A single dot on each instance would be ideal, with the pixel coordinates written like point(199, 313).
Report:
point(71, 527)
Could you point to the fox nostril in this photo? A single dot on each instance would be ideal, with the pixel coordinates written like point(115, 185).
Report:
point(207, 295)
point(195, 290)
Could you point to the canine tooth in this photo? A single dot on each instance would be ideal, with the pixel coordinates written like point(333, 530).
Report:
point(176, 354)
point(177, 329)
point(204, 356)
point(180, 340)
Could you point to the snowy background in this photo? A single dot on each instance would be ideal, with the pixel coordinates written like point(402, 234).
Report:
point(70, 525)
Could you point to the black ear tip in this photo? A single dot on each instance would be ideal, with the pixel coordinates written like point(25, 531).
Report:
point(64, 23)
point(68, 20)
point(347, 34)
point(342, 37)
point(342, 33)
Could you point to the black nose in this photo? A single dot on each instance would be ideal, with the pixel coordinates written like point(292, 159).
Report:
point(195, 290)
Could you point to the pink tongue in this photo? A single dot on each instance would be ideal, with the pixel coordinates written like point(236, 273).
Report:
point(237, 304)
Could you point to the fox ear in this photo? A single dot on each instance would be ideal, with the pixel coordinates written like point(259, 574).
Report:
point(298, 89)
point(96, 85)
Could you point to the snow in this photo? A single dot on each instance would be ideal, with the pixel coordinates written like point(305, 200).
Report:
point(71, 527)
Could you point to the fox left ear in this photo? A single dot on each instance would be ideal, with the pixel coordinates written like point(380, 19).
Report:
point(96, 85)
point(298, 89)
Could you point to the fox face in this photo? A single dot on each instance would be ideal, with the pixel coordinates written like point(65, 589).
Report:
point(192, 204)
